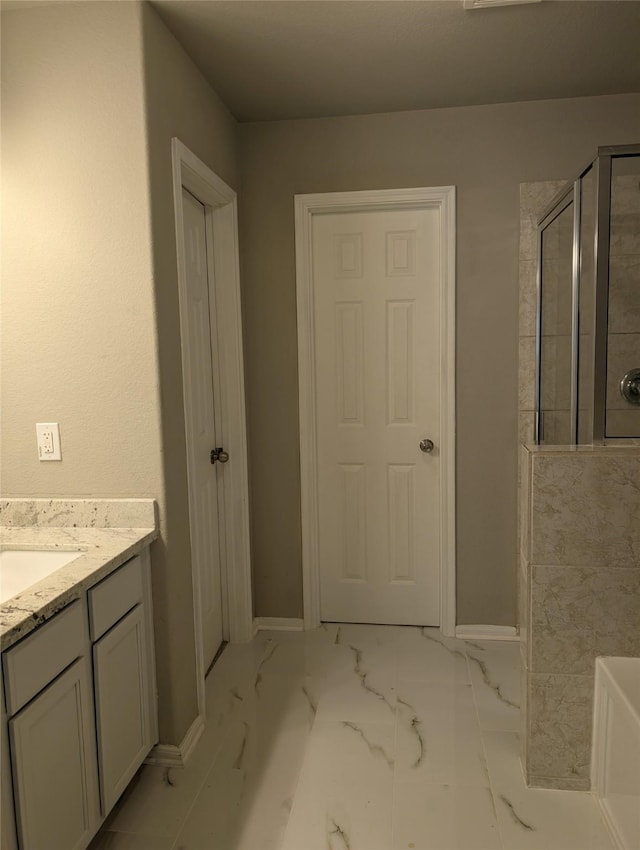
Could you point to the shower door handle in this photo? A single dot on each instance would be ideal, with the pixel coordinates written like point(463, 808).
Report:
point(630, 386)
point(426, 446)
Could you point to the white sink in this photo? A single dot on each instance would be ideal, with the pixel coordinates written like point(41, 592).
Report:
point(20, 568)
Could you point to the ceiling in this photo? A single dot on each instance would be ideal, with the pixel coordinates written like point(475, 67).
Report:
point(269, 59)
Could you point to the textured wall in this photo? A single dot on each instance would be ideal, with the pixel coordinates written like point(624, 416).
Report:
point(179, 102)
point(486, 152)
point(579, 597)
point(77, 297)
point(91, 95)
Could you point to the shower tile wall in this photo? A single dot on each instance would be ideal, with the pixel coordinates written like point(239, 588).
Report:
point(579, 596)
point(623, 419)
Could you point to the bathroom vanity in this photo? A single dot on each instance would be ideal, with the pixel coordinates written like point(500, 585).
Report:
point(79, 708)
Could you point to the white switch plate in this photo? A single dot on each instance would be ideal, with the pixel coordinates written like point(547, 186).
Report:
point(48, 434)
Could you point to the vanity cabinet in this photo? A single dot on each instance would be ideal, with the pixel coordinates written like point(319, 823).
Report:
point(123, 678)
point(80, 695)
point(55, 770)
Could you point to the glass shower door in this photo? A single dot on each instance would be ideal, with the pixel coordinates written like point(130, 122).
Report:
point(623, 326)
point(556, 395)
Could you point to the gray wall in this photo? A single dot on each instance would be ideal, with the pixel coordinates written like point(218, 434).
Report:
point(484, 151)
point(91, 95)
point(179, 102)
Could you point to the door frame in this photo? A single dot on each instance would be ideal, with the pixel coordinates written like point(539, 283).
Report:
point(442, 198)
point(221, 214)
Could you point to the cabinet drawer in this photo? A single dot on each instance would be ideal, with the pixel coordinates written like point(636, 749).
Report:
point(114, 596)
point(31, 664)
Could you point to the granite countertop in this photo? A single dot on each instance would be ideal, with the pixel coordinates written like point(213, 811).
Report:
point(84, 525)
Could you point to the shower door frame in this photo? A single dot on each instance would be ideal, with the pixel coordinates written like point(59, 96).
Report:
point(572, 192)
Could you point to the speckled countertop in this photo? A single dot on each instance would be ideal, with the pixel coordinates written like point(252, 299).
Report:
point(106, 533)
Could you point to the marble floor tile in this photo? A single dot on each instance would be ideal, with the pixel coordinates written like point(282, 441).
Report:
point(361, 697)
point(344, 797)
point(214, 820)
point(373, 648)
point(494, 667)
point(157, 801)
point(428, 816)
point(426, 655)
point(538, 819)
point(355, 737)
point(438, 737)
point(107, 840)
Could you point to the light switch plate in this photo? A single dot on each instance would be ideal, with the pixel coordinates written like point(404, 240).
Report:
point(48, 434)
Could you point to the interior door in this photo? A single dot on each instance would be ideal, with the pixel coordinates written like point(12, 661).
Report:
point(200, 420)
point(377, 338)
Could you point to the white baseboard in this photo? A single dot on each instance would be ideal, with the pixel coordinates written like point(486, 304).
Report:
point(278, 624)
point(487, 632)
point(172, 755)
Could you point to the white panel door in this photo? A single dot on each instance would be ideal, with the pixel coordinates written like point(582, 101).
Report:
point(375, 279)
point(201, 432)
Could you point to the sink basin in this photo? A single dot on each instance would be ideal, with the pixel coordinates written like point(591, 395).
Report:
point(20, 568)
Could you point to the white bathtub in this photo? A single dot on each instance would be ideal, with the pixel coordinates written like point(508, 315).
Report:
point(615, 763)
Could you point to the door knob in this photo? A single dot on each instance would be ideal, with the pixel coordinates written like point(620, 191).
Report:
point(219, 455)
point(427, 446)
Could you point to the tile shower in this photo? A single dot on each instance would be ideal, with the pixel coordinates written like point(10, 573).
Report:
point(579, 470)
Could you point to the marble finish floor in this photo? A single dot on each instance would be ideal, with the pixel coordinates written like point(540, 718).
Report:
point(355, 738)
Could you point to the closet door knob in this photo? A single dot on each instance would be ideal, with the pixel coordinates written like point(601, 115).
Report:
point(219, 455)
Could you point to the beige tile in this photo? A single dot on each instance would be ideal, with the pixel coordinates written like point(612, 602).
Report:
point(617, 601)
point(528, 297)
point(526, 373)
point(559, 783)
point(621, 643)
point(524, 512)
point(585, 509)
point(625, 193)
point(562, 651)
point(556, 427)
point(625, 234)
point(563, 598)
point(535, 197)
point(557, 292)
point(556, 372)
point(534, 201)
point(624, 294)
point(528, 238)
point(560, 710)
point(624, 425)
point(563, 607)
point(523, 612)
point(526, 427)
point(623, 353)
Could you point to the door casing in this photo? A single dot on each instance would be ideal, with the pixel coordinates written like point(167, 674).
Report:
point(441, 198)
point(221, 213)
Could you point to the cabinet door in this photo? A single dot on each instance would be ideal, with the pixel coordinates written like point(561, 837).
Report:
point(54, 764)
point(122, 704)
